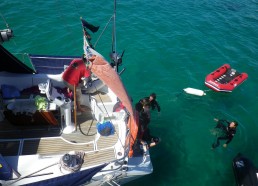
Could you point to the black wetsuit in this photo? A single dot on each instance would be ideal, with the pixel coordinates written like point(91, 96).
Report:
point(144, 131)
point(154, 104)
point(144, 120)
point(228, 135)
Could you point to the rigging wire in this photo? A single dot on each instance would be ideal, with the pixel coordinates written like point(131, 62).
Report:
point(103, 31)
point(4, 20)
point(7, 26)
point(79, 15)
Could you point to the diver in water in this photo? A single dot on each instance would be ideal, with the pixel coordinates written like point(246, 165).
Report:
point(151, 99)
point(228, 130)
point(144, 133)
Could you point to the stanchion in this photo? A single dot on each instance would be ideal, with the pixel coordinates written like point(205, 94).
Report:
point(75, 107)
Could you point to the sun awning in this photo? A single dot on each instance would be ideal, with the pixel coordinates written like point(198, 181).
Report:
point(10, 63)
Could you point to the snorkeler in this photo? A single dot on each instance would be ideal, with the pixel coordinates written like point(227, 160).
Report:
point(228, 130)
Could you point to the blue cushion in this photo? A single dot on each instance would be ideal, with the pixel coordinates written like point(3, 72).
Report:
point(9, 91)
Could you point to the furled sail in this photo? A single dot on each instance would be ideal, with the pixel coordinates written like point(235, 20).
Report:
point(103, 70)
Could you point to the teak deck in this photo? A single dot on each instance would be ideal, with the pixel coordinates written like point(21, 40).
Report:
point(47, 140)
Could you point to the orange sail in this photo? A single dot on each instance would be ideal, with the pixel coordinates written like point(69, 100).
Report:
point(102, 69)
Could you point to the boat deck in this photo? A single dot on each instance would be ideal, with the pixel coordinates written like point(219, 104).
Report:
point(48, 140)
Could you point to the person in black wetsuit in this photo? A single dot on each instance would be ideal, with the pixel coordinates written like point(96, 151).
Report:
point(228, 129)
point(144, 115)
point(144, 134)
point(151, 99)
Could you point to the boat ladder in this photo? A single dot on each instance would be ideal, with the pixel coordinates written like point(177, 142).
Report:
point(112, 183)
point(110, 179)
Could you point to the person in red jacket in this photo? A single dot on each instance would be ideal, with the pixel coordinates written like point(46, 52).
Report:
point(74, 75)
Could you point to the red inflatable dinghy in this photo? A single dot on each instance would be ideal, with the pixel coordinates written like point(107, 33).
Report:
point(225, 79)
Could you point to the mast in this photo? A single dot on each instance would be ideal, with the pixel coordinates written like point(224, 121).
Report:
point(114, 29)
point(116, 59)
point(114, 54)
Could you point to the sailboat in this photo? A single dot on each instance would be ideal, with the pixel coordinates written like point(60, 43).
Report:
point(43, 141)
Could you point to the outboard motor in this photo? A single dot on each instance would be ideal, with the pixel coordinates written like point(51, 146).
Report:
point(116, 58)
point(5, 35)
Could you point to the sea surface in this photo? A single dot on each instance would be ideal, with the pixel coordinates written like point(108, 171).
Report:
point(169, 45)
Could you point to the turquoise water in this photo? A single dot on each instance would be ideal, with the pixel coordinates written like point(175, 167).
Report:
point(169, 46)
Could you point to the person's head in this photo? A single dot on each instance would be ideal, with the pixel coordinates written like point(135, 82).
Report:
point(152, 96)
point(233, 124)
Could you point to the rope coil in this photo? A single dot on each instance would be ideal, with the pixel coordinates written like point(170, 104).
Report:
point(72, 162)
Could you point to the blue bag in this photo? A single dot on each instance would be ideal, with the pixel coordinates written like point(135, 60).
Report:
point(106, 128)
